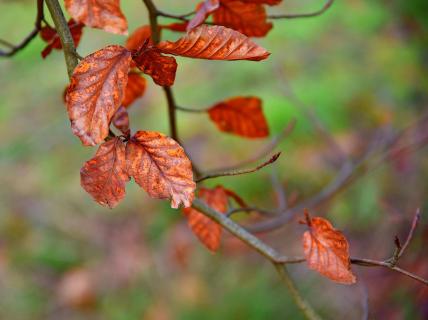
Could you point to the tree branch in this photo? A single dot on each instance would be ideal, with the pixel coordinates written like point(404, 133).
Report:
point(326, 6)
point(70, 54)
point(37, 26)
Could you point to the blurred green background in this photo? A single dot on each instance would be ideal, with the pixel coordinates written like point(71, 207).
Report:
point(361, 66)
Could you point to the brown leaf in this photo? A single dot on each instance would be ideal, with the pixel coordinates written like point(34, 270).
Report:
point(134, 89)
point(96, 91)
point(161, 68)
point(138, 38)
point(160, 166)
point(102, 14)
point(202, 12)
point(121, 120)
point(104, 176)
point(327, 251)
point(208, 231)
point(176, 26)
point(242, 116)
point(215, 43)
point(247, 18)
point(50, 36)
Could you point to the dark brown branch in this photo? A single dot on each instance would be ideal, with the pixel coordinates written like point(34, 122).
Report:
point(37, 26)
point(171, 113)
point(239, 172)
point(326, 6)
point(181, 17)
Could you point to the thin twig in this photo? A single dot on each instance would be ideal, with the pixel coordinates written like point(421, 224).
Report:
point(239, 172)
point(171, 113)
point(409, 238)
point(191, 110)
point(37, 26)
point(326, 6)
point(181, 17)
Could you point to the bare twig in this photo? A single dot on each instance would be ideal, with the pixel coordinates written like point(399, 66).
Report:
point(181, 17)
point(239, 172)
point(326, 6)
point(191, 110)
point(37, 26)
point(415, 222)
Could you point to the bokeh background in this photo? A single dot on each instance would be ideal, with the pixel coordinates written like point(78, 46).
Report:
point(361, 69)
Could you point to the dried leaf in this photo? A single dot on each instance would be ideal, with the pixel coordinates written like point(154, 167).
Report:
point(121, 121)
point(327, 251)
point(96, 91)
point(139, 37)
point(134, 89)
point(176, 26)
point(208, 231)
point(215, 43)
point(242, 116)
point(247, 18)
point(160, 166)
point(161, 68)
point(202, 12)
point(102, 14)
point(50, 36)
point(104, 176)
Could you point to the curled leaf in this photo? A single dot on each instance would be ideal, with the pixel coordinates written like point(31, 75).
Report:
point(202, 11)
point(50, 36)
point(104, 176)
point(102, 14)
point(208, 231)
point(134, 89)
point(327, 251)
point(96, 91)
point(215, 43)
point(138, 38)
point(248, 18)
point(240, 115)
point(121, 120)
point(160, 166)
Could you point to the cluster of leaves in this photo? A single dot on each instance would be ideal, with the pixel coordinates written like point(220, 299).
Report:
point(106, 82)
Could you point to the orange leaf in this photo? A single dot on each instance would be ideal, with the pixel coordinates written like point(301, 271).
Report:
point(247, 18)
point(160, 166)
point(104, 176)
point(327, 251)
point(134, 89)
point(50, 36)
point(138, 38)
point(242, 116)
point(215, 43)
point(102, 14)
point(202, 12)
point(208, 231)
point(161, 68)
point(96, 91)
point(121, 120)
point(176, 26)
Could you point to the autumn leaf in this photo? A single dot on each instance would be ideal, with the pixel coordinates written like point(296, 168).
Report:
point(161, 68)
point(50, 36)
point(176, 26)
point(202, 12)
point(245, 17)
point(134, 89)
point(327, 251)
point(96, 91)
point(208, 231)
point(242, 116)
point(139, 37)
point(215, 43)
point(102, 14)
point(160, 166)
point(104, 176)
point(121, 121)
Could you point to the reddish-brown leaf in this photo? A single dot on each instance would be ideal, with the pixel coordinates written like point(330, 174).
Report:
point(104, 176)
point(161, 68)
point(134, 89)
point(208, 231)
point(50, 36)
point(215, 43)
point(202, 12)
point(160, 166)
point(96, 91)
point(247, 18)
point(138, 38)
point(121, 121)
point(102, 14)
point(176, 26)
point(242, 116)
point(327, 251)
